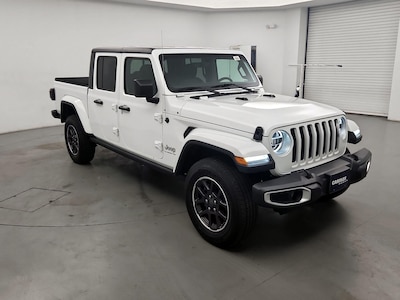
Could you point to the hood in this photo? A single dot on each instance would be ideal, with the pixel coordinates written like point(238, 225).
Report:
point(245, 112)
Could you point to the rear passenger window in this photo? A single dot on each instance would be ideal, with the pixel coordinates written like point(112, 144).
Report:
point(106, 73)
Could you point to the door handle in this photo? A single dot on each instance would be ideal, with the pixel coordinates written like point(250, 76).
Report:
point(124, 107)
point(98, 101)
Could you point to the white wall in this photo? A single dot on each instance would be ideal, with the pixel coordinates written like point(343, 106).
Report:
point(276, 48)
point(44, 39)
point(48, 38)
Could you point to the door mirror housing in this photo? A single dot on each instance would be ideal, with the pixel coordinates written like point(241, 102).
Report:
point(146, 89)
point(260, 78)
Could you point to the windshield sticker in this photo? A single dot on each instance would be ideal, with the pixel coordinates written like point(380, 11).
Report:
point(237, 58)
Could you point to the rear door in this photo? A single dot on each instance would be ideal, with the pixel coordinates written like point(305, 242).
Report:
point(103, 98)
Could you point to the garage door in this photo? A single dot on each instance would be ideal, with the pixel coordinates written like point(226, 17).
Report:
point(350, 55)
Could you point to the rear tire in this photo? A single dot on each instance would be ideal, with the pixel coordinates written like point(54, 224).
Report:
point(218, 200)
point(80, 148)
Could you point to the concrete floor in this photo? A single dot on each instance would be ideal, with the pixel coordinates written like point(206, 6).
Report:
point(116, 230)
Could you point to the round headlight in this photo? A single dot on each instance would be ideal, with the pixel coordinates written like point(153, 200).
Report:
point(342, 128)
point(281, 142)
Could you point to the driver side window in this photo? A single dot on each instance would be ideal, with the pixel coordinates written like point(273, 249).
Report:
point(138, 71)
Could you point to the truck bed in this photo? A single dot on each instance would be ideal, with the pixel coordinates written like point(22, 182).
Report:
point(82, 81)
point(74, 89)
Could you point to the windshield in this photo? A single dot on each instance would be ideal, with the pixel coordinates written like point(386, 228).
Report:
point(196, 72)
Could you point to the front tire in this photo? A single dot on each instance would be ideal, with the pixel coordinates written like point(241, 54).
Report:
point(219, 202)
point(80, 148)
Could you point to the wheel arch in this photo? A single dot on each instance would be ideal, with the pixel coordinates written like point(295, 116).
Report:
point(202, 143)
point(74, 106)
point(194, 151)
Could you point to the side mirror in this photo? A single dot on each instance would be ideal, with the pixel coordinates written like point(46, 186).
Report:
point(260, 78)
point(146, 89)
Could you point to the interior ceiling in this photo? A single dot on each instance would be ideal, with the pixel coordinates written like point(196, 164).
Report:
point(230, 4)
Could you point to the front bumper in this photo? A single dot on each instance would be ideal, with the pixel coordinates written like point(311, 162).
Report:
point(305, 186)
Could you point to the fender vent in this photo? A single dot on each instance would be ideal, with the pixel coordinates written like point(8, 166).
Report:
point(187, 131)
point(258, 134)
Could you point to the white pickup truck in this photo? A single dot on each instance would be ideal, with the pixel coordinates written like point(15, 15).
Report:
point(204, 114)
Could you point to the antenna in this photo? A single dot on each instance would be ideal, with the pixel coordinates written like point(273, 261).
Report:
point(300, 87)
point(162, 54)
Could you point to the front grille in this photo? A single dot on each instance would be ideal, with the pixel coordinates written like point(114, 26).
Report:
point(314, 141)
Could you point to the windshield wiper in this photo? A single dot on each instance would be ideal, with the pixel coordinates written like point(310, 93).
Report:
point(213, 90)
point(190, 89)
point(234, 85)
point(212, 93)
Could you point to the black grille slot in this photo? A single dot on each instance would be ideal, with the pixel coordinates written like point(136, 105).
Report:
point(312, 142)
point(302, 143)
point(294, 151)
point(324, 147)
point(319, 135)
point(337, 134)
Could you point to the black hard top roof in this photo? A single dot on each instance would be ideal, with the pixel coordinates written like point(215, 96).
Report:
point(124, 50)
point(144, 50)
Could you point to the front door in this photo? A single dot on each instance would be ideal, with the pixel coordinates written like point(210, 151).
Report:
point(140, 122)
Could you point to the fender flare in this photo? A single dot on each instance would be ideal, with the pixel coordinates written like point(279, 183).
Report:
point(80, 110)
point(228, 144)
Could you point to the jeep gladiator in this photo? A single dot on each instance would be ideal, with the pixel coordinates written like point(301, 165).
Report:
point(204, 114)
